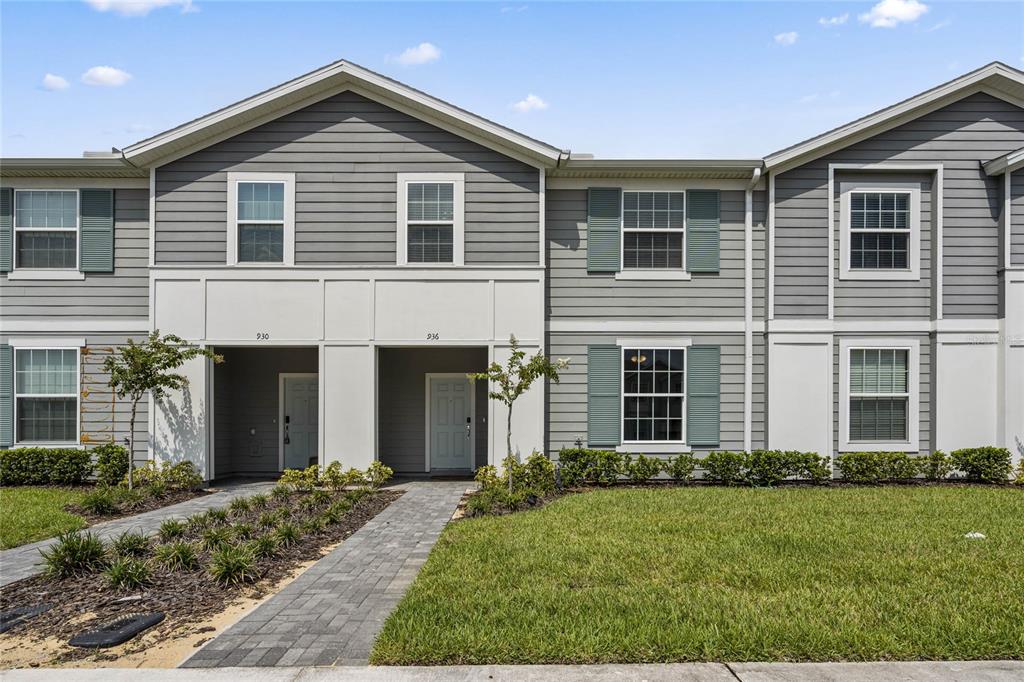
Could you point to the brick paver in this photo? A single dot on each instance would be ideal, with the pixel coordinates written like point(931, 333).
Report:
point(331, 613)
point(25, 561)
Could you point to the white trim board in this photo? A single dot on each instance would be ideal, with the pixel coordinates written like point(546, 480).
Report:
point(57, 325)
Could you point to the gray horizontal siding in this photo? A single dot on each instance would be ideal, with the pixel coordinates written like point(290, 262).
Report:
point(402, 402)
point(345, 152)
point(962, 136)
point(567, 400)
point(121, 294)
point(887, 300)
point(925, 388)
point(573, 293)
point(1017, 221)
point(104, 417)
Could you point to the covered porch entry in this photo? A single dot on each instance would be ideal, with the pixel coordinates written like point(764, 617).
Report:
point(430, 418)
point(265, 410)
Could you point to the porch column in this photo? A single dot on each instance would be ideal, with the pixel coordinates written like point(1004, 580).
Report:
point(527, 416)
point(349, 405)
point(181, 420)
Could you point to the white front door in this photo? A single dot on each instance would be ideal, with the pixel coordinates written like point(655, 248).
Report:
point(301, 401)
point(450, 422)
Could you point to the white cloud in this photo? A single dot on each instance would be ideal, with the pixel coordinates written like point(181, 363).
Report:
point(939, 26)
point(53, 82)
point(891, 13)
point(140, 8)
point(839, 20)
point(421, 54)
point(106, 76)
point(531, 103)
point(786, 39)
point(513, 9)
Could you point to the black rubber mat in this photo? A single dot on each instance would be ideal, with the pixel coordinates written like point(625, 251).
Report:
point(8, 619)
point(117, 631)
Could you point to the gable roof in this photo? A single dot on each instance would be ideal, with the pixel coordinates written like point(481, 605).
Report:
point(996, 79)
point(1007, 163)
point(324, 82)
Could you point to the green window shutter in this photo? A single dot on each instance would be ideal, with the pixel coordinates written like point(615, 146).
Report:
point(703, 230)
point(604, 222)
point(6, 229)
point(703, 395)
point(6, 396)
point(603, 398)
point(96, 230)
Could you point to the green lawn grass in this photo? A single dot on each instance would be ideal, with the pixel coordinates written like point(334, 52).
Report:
point(32, 513)
point(723, 574)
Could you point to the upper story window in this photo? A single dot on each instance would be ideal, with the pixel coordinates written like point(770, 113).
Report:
point(880, 233)
point(431, 220)
point(653, 225)
point(431, 224)
point(653, 395)
point(261, 218)
point(46, 395)
point(46, 229)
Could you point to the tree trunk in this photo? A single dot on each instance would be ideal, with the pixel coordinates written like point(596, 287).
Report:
point(131, 441)
point(508, 445)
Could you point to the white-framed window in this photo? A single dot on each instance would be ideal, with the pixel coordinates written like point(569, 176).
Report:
point(653, 394)
point(880, 231)
point(879, 380)
point(46, 394)
point(653, 230)
point(261, 219)
point(431, 219)
point(46, 229)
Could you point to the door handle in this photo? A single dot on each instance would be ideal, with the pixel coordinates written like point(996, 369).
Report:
point(468, 426)
point(287, 438)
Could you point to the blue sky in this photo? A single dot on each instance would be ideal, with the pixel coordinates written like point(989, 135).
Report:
point(626, 80)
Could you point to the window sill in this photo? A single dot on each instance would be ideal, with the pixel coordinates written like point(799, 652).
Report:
point(881, 275)
point(654, 448)
point(52, 446)
point(46, 275)
point(653, 275)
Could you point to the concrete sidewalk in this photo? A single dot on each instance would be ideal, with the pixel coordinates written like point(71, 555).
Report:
point(954, 671)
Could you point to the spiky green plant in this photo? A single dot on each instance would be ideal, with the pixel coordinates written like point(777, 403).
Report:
point(177, 556)
point(171, 529)
point(215, 538)
point(259, 501)
point(74, 553)
point(126, 573)
point(263, 546)
point(130, 544)
point(233, 566)
point(287, 534)
point(239, 506)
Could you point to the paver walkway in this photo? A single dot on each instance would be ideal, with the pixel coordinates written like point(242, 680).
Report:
point(331, 614)
point(24, 561)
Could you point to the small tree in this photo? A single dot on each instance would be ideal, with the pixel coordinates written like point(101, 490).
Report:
point(149, 366)
point(514, 379)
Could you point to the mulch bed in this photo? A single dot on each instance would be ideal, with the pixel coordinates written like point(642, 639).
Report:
point(147, 503)
point(185, 596)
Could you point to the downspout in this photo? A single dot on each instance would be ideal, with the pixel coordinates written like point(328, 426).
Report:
point(748, 310)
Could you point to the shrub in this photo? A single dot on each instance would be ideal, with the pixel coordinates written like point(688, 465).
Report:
point(1019, 480)
point(574, 464)
point(539, 474)
point(126, 573)
point(197, 522)
point(130, 544)
point(809, 466)
point(74, 553)
point(331, 515)
point(378, 473)
point(767, 467)
point(259, 501)
point(128, 500)
point(183, 476)
point(100, 502)
point(320, 498)
point(177, 556)
point(333, 477)
point(233, 566)
point(641, 469)
point(171, 529)
point(242, 531)
point(300, 479)
point(267, 520)
point(681, 467)
point(44, 466)
point(860, 467)
point(899, 466)
point(287, 534)
point(217, 515)
point(280, 492)
point(144, 475)
point(215, 538)
point(312, 525)
point(935, 466)
point(239, 506)
point(985, 464)
point(487, 476)
point(725, 467)
point(607, 467)
point(262, 547)
point(111, 463)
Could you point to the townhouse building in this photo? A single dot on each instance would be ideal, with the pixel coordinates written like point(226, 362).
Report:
point(353, 247)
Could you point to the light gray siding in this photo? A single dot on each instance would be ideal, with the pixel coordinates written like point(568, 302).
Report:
point(573, 293)
point(402, 402)
point(345, 152)
point(961, 136)
point(247, 397)
point(120, 294)
point(567, 400)
point(925, 389)
point(1017, 218)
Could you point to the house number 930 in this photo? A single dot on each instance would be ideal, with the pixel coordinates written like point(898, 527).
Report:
point(262, 336)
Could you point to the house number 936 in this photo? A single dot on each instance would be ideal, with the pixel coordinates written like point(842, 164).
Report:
point(433, 336)
point(262, 336)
